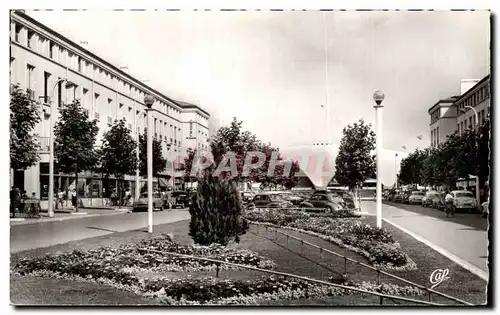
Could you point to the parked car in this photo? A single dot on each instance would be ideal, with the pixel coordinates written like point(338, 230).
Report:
point(141, 204)
point(485, 209)
point(398, 197)
point(464, 200)
point(427, 199)
point(415, 197)
point(324, 200)
point(181, 199)
point(266, 200)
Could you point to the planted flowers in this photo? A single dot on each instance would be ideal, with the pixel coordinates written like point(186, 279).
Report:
point(342, 229)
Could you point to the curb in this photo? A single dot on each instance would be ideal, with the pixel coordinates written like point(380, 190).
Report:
point(79, 215)
point(459, 261)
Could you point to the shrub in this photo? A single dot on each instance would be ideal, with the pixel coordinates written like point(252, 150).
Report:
point(216, 212)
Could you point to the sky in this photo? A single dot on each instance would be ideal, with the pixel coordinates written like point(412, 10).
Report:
point(290, 75)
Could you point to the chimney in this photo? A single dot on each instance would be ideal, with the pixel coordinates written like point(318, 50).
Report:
point(467, 84)
point(124, 68)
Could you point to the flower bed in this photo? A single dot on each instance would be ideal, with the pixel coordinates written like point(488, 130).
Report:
point(111, 262)
point(377, 245)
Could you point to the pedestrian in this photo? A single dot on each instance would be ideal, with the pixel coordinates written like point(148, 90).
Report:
point(13, 200)
point(60, 196)
point(73, 198)
point(449, 204)
point(128, 196)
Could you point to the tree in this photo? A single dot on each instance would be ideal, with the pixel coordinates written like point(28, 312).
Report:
point(412, 166)
point(24, 115)
point(75, 136)
point(354, 163)
point(118, 152)
point(159, 162)
point(216, 212)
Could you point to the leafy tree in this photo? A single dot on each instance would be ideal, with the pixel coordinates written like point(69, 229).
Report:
point(216, 212)
point(24, 115)
point(354, 163)
point(118, 152)
point(412, 166)
point(159, 162)
point(75, 137)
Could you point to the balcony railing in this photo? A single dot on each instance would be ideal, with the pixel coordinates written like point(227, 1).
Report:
point(44, 143)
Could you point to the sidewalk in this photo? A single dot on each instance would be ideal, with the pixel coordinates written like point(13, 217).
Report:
point(456, 238)
point(68, 214)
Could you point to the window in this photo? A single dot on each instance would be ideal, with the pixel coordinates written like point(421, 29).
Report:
point(470, 122)
point(46, 77)
point(437, 135)
point(96, 115)
point(80, 64)
point(130, 126)
point(84, 97)
point(18, 30)
point(30, 71)
point(110, 120)
point(51, 50)
point(59, 94)
point(12, 66)
point(96, 100)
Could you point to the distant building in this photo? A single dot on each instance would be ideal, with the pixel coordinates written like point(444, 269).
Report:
point(452, 114)
point(39, 57)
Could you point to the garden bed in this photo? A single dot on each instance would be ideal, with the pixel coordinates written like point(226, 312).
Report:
point(342, 229)
point(127, 268)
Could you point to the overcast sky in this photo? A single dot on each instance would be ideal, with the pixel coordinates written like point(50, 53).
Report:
point(270, 69)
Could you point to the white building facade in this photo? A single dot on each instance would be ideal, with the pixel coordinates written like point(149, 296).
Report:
point(40, 57)
point(454, 114)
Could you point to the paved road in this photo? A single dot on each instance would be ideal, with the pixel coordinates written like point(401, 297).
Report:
point(464, 236)
point(43, 234)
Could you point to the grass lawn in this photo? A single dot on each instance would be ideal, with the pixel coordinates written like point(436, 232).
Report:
point(30, 290)
point(26, 290)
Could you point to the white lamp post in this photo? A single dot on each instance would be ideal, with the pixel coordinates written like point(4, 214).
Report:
point(69, 84)
point(149, 100)
point(396, 170)
point(378, 97)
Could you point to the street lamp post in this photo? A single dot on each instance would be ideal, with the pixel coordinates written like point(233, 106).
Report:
point(69, 84)
point(378, 97)
point(149, 100)
point(475, 113)
point(396, 170)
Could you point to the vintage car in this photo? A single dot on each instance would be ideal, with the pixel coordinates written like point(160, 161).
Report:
point(328, 201)
point(141, 204)
point(438, 201)
point(269, 200)
point(294, 198)
point(464, 200)
point(427, 199)
point(180, 199)
point(398, 197)
point(346, 197)
point(415, 197)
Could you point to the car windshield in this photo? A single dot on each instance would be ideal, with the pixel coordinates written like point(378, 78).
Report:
point(417, 193)
point(464, 194)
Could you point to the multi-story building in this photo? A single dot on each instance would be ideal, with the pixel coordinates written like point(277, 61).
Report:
point(478, 98)
point(454, 114)
point(40, 57)
point(443, 120)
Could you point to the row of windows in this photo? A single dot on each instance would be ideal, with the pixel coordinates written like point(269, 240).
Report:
point(49, 49)
point(474, 98)
point(435, 136)
point(435, 115)
point(471, 122)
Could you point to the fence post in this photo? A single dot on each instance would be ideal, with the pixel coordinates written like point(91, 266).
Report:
point(378, 277)
point(345, 266)
point(217, 266)
point(287, 241)
point(430, 296)
point(276, 235)
point(301, 246)
point(381, 300)
point(321, 252)
point(258, 229)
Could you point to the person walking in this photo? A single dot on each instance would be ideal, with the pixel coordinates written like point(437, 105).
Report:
point(60, 197)
point(13, 200)
point(73, 198)
point(449, 204)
